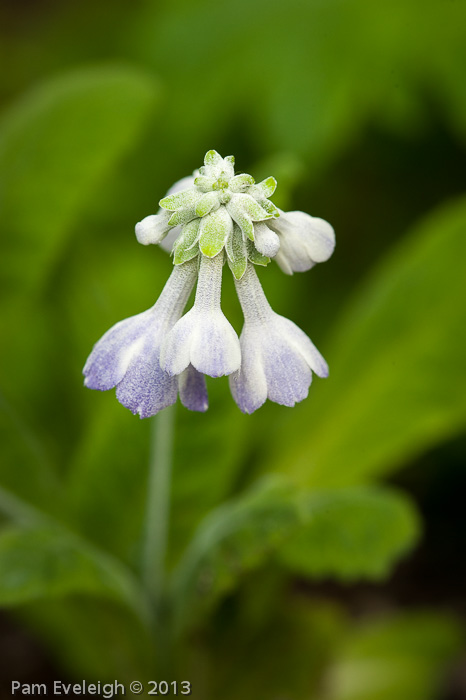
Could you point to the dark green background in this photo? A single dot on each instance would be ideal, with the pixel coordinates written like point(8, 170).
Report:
point(359, 110)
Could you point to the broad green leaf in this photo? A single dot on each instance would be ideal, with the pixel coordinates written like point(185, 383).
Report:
point(352, 533)
point(397, 381)
point(332, 533)
point(91, 637)
point(234, 538)
point(282, 652)
point(57, 143)
point(405, 658)
point(48, 562)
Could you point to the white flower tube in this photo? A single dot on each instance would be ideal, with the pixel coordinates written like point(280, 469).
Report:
point(203, 337)
point(277, 357)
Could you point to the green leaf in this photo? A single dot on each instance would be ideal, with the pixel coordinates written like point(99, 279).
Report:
point(352, 533)
point(240, 183)
point(185, 247)
point(180, 199)
point(49, 562)
point(183, 215)
point(206, 203)
point(347, 534)
point(204, 183)
point(251, 207)
point(267, 187)
point(254, 255)
point(92, 637)
point(236, 252)
point(234, 538)
point(270, 208)
point(397, 381)
point(405, 658)
point(213, 159)
point(281, 638)
point(56, 145)
point(214, 231)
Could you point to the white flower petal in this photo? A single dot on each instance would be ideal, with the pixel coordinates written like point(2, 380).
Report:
point(304, 241)
point(249, 384)
point(184, 184)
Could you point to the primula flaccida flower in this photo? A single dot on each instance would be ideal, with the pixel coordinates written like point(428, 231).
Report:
point(205, 220)
point(277, 357)
point(128, 355)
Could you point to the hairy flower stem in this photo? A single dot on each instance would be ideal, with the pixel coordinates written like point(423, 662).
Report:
point(157, 515)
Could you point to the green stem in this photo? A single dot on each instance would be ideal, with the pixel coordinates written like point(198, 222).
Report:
point(158, 507)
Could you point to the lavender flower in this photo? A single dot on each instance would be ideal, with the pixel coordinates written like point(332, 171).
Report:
point(204, 220)
point(277, 357)
point(127, 356)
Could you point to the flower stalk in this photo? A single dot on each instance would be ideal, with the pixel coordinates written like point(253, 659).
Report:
point(156, 529)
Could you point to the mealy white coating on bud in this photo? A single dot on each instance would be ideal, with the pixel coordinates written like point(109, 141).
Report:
point(153, 228)
point(216, 187)
point(267, 241)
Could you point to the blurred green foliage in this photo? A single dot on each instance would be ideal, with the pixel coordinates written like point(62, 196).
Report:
point(359, 110)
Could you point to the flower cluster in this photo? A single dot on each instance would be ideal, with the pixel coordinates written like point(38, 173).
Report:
point(204, 220)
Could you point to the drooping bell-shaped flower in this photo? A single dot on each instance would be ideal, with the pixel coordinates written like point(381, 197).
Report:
point(205, 220)
point(203, 338)
point(128, 355)
point(304, 240)
point(277, 357)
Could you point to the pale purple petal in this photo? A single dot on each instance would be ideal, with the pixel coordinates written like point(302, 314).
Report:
point(112, 354)
point(288, 374)
point(277, 356)
point(128, 355)
point(193, 390)
point(300, 341)
point(146, 389)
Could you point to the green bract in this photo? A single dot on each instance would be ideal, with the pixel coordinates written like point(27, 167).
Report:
point(219, 211)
